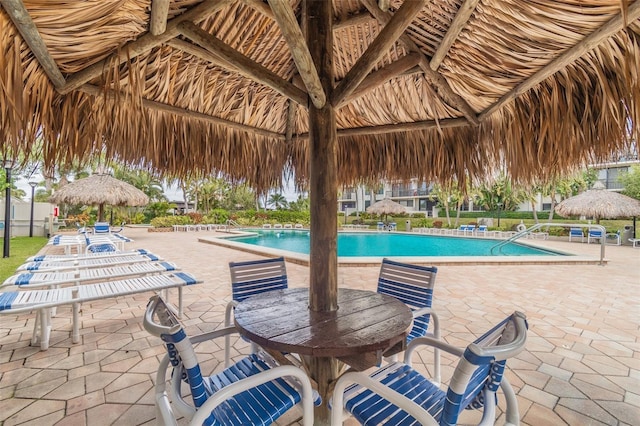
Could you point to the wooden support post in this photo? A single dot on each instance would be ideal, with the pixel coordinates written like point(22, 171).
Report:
point(323, 261)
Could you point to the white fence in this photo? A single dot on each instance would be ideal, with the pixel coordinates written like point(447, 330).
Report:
point(20, 216)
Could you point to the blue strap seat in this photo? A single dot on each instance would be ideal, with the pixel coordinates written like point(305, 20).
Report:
point(399, 395)
point(253, 391)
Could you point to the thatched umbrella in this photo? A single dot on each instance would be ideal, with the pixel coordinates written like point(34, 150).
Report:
point(599, 204)
point(100, 189)
point(386, 207)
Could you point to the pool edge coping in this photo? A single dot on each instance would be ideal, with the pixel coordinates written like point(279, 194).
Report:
point(303, 259)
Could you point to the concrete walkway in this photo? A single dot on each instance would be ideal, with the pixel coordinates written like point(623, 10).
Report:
point(581, 366)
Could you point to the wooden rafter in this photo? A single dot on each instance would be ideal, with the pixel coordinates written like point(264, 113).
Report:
point(291, 121)
point(159, 14)
point(394, 128)
point(23, 22)
point(292, 33)
point(381, 76)
point(202, 53)
point(381, 45)
point(457, 25)
point(183, 112)
point(357, 19)
point(588, 43)
point(384, 4)
point(244, 65)
point(438, 82)
point(143, 44)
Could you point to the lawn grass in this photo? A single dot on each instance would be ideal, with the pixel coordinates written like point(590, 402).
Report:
point(19, 249)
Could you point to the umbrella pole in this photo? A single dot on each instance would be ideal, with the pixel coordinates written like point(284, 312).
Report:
point(101, 213)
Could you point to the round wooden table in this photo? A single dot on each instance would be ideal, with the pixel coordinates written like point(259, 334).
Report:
point(365, 325)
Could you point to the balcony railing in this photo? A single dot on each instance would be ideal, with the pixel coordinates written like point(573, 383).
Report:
point(407, 193)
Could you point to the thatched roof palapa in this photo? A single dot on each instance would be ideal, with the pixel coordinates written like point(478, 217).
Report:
point(599, 203)
point(331, 92)
point(100, 189)
point(444, 91)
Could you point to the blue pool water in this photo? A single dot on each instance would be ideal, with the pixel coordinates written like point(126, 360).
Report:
point(390, 244)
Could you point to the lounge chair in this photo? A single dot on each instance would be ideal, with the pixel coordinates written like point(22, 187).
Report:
point(53, 278)
point(380, 226)
point(112, 259)
point(253, 391)
point(78, 257)
point(635, 242)
point(413, 285)
point(101, 228)
point(251, 278)
point(594, 234)
point(576, 233)
point(398, 394)
point(613, 238)
point(14, 302)
point(277, 226)
point(288, 226)
point(266, 226)
point(298, 226)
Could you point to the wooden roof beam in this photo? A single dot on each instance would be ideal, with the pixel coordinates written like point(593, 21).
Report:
point(23, 22)
point(159, 15)
point(588, 43)
point(202, 53)
point(291, 121)
point(356, 19)
point(401, 127)
point(183, 112)
point(245, 66)
point(292, 33)
point(387, 37)
point(143, 44)
point(381, 76)
point(438, 82)
point(457, 25)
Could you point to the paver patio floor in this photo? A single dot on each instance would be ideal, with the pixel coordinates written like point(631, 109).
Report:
point(581, 365)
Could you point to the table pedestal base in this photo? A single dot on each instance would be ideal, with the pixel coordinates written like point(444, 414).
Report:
point(324, 371)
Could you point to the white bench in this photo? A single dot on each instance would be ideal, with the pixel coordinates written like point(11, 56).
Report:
point(14, 302)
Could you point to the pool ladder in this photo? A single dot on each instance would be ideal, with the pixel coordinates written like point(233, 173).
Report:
point(563, 225)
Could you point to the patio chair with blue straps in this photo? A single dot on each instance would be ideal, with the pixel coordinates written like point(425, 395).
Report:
point(576, 233)
point(253, 391)
point(413, 286)
point(250, 278)
point(398, 394)
point(595, 235)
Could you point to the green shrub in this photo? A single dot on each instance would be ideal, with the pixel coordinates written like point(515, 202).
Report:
point(169, 221)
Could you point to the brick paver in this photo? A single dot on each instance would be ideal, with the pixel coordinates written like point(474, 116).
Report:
point(581, 366)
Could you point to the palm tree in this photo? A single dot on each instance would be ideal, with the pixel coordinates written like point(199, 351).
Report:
point(278, 201)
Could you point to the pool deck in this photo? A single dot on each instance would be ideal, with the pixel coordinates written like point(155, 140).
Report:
point(581, 365)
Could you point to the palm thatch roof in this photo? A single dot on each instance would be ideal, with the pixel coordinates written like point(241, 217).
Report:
point(100, 189)
point(386, 206)
point(427, 89)
point(599, 204)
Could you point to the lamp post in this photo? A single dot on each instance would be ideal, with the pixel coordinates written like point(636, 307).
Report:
point(33, 187)
point(7, 208)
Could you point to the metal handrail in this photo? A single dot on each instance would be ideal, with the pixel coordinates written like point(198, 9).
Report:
point(233, 223)
point(563, 225)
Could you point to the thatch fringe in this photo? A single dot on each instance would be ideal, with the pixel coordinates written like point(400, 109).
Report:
point(579, 115)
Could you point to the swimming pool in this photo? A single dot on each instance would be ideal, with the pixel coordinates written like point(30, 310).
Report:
point(381, 244)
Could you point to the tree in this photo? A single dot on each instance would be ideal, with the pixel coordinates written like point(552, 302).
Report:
point(500, 195)
point(278, 201)
point(447, 195)
point(631, 182)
